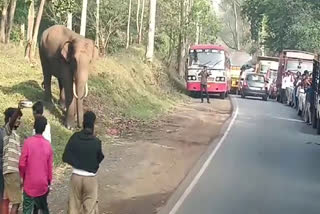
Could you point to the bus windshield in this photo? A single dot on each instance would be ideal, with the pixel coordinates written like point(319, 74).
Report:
point(295, 66)
point(211, 58)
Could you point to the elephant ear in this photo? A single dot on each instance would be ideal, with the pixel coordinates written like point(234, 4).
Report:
point(67, 51)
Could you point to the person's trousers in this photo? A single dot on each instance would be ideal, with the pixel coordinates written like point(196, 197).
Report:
point(204, 87)
point(33, 205)
point(83, 197)
point(283, 96)
point(307, 114)
point(287, 96)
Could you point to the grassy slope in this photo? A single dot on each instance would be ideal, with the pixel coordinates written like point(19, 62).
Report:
point(120, 86)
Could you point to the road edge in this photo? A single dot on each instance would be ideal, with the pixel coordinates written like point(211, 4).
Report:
point(172, 205)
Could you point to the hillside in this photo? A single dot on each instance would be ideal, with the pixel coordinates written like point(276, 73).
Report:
point(123, 91)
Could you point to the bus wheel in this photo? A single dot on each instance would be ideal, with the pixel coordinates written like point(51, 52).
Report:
point(223, 95)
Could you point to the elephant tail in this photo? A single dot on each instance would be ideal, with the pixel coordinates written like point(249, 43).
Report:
point(42, 84)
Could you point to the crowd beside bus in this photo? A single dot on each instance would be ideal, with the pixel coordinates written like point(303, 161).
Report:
point(26, 167)
point(296, 91)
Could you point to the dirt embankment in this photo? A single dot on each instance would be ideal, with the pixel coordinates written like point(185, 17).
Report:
point(142, 170)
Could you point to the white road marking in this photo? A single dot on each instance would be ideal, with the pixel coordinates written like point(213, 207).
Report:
point(205, 165)
point(288, 119)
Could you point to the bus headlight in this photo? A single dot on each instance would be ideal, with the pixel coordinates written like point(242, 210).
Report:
point(220, 79)
point(192, 78)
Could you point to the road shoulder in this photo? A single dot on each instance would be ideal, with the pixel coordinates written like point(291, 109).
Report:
point(143, 170)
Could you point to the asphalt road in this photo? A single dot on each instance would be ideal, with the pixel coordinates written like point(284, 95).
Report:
point(269, 163)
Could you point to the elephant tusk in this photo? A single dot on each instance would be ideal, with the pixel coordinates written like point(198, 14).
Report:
point(86, 94)
point(74, 91)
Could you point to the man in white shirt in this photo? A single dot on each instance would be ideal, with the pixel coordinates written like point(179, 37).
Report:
point(284, 87)
point(289, 89)
point(38, 110)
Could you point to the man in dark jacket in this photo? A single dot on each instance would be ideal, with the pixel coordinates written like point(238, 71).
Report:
point(84, 153)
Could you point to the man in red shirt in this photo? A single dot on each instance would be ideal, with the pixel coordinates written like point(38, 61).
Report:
point(35, 167)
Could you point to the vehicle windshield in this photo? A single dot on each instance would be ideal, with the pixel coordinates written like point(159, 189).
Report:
point(255, 78)
point(295, 66)
point(210, 58)
point(264, 68)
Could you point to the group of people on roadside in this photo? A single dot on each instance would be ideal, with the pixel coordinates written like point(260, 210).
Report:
point(297, 92)
point(26, 167)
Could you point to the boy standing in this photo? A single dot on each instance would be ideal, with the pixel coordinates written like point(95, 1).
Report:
point(38, 110)
point(35, 167)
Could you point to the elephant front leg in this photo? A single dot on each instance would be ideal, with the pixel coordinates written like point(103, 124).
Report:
point(62, 100)
point(47, 88)
point(70, 102)
point(70, 115)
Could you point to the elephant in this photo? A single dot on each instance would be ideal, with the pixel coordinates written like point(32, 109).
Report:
point(67, 55)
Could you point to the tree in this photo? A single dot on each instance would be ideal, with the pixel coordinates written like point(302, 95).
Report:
point(31, 46)
point(4, 17)
point(98, 23)
point(152, 28)
point(284, 24)
point(84, 18)
point(8, 8)
point(112, 24)
point(128, 25)
point(141, 22)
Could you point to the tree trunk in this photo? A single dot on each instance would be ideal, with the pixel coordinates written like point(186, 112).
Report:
point(181, 54)
point(13, 5)
point(3, 23)
point(141, 22)
point(197, 33)
point(98, 24)
point(137, 19)
point(69, 21)
point(22, 34)
point(30, 21)
point(128, 26)
point(36, 31)
point(84, 18)
point(152, 28)
point(236, 25)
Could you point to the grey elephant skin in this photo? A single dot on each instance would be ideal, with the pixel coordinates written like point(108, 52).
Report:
point(67, 55)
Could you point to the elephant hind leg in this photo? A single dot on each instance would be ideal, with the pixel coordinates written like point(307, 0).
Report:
point(47, 87)
point(46, 77)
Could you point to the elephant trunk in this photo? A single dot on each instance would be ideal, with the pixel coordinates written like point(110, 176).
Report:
point(80, 91)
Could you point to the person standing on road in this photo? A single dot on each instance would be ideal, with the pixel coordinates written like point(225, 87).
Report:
point(84, 153)
point(11, 156)
point(283, 88)
point(204, 74)
point(3, 205)
point(309, 102)
point(35, 166)
point(296, 86)
point(289, 89)
point(37, 110)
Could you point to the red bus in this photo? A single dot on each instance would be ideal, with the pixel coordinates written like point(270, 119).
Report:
point(217, 60)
